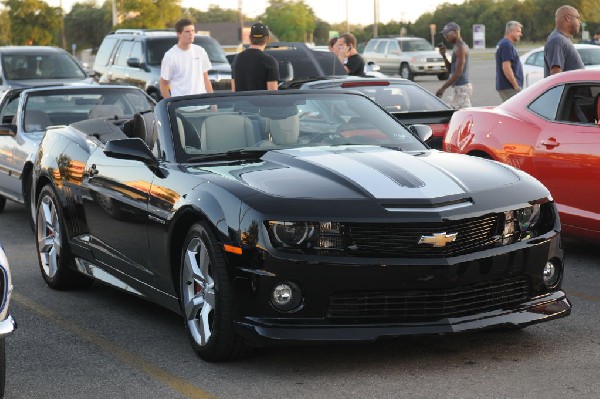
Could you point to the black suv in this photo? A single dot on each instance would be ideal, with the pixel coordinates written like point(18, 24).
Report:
point(133, 56)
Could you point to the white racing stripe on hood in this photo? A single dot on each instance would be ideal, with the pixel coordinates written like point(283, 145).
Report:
point(382, 185)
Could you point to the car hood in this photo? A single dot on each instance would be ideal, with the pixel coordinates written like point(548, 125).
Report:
point(428, 54)
point(366, 172)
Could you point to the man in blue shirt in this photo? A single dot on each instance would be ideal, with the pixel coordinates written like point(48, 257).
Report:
point(509, 70)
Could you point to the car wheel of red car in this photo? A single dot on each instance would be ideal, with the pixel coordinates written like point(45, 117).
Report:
point(206, 298)
point(54, 256)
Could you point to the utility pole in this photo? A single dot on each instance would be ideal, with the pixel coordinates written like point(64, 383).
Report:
point(115, 15)
point(62, 31)
point(375, 17)
point(347, 22)
point(241, 19)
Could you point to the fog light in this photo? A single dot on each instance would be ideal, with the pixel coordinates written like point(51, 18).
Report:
point(286, 296)
point(551, 274)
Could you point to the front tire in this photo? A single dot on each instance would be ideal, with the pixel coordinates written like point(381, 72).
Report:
point(54, 256)
point(2, 203)
point(207, 298)
point(406, 73)
point(443, 76)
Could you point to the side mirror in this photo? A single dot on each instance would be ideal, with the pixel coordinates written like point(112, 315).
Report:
point(135, 63)
point(286, 71)
point(133, 149)
point(8, 129)
point(424, 132)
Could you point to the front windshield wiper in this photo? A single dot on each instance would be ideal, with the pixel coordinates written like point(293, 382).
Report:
point(232, 155)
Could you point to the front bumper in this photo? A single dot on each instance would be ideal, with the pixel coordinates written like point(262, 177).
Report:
point(544, 308)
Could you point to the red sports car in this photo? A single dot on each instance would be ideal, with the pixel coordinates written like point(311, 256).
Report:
point(550, 130)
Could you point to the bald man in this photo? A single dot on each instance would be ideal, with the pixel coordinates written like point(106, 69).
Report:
point(559, 52)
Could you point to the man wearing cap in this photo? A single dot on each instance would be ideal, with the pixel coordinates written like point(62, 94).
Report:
point(184, 67)
point(253, 69)
point(458, 68)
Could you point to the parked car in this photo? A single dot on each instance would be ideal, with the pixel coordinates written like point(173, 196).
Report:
point(133, 57)
point(550, 130)
point(406, 56)
point(7, 323)
point(27, 66)
point(533, 62)
point(406, 100)
point(27, 113)
point(268, 217)
point(371, 68)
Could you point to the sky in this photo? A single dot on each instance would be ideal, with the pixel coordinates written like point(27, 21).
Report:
point(333, 11)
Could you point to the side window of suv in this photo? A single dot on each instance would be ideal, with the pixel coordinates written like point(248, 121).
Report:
point(105, 51)
point(136, 51)
point(370, 46)
point(394, 48)
point(381, 47)
point(123, 53)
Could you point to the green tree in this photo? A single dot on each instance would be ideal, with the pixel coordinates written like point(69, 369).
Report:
point(5, 33)
point(149, 14)
point(33, 22)
point(213, 14)
point(289, 20)
point(86, 25)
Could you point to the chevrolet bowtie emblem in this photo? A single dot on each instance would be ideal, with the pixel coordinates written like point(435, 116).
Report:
point(438, 239)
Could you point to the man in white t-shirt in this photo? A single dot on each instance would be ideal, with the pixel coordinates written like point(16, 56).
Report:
point(184, 68)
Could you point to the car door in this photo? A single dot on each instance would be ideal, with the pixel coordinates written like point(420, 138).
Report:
point(116, 212)
point(567, 158)
point(393, 53)
point(10, 183)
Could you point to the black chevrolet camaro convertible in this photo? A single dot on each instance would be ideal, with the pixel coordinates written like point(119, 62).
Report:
point(292, 216)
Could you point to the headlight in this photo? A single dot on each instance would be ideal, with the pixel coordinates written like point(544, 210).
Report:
point(528, 222)
point(527, 218)
point(306, 236)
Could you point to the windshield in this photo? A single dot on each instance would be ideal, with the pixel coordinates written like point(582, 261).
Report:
point(416, 45)
point(397, 97)
point(63, 107)
point(156, 49)
point(29, 66)
point(590, 56)
point(255, 122)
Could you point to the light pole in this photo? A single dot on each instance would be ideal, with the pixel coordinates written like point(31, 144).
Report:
point(375, 17)
point(347, 22)
point(115, 16)
point(62, 31)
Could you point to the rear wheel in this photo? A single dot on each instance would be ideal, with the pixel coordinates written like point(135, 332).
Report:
point(207, 298)
point(406, 73)
point(443, 76)
point(2, 203)
point(54, 257)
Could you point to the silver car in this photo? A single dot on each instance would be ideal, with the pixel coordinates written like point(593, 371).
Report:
point(406, 56)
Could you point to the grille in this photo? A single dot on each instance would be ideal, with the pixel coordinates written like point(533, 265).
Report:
point(402, 240)
point(427, 305)
point(434, 60)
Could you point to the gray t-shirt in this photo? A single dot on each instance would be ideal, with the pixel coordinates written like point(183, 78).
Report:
point(560, 51)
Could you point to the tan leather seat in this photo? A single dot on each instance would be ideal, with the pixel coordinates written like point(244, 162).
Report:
point(226, 132)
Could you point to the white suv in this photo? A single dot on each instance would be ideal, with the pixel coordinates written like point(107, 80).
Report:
point(405, 55)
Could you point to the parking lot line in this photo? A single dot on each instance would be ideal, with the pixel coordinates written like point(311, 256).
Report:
point(177, 384)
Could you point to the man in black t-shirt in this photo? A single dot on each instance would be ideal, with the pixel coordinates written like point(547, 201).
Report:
point(346, 52)
point(252, 69)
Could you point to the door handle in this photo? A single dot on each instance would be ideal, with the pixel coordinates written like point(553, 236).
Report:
point(550, 142)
